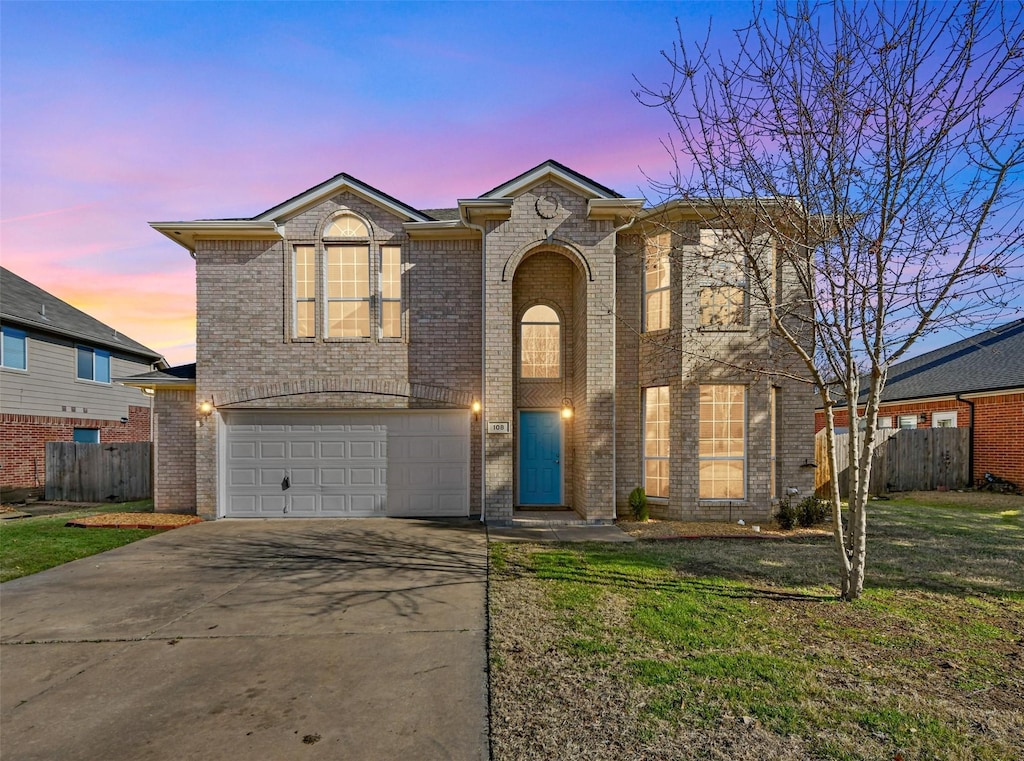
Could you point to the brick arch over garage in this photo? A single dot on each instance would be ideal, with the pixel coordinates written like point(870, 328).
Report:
point(557, 245)
point(334, 384)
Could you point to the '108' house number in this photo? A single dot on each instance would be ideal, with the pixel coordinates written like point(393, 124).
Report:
point(499, 427)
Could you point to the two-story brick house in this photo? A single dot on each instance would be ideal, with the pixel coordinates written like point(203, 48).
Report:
point(58, 371)
point(534, 346)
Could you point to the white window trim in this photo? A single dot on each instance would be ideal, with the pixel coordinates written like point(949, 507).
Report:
point(908, 418)
point(938, 417)
point(94, 351)
point(7, 330)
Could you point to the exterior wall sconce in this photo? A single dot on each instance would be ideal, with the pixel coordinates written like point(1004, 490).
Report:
point(124, 421)
point(809, 464)
point(567, 409)
point(924, 417)
point(149, 391)
point(204, 410)
point(476, 409)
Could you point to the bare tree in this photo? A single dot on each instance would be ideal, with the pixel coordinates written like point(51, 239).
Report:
point(878, 148)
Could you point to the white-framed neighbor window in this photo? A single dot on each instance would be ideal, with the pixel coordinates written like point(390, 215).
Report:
point(657, 306)
point(908, 421)
point(540, 343)
point(722, 441)
point(93, 364)
point(885, 422)
point(944, 419)
point(656, 441)
point(13, 348)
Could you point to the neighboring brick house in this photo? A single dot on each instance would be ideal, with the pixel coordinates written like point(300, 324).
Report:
point(58, 381)
point(530, 348)
point(976, 383)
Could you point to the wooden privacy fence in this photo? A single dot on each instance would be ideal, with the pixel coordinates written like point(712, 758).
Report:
point(98, 472)
point(905, 459)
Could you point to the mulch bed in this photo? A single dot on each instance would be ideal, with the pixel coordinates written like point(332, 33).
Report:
point(163, 521)
point(661, 529)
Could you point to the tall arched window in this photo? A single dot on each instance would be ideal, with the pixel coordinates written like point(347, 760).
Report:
point(540, 343)
point(353, 291)
point(348, 277)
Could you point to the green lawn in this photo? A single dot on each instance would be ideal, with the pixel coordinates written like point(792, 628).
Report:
point(30, 545)
point(739, 649)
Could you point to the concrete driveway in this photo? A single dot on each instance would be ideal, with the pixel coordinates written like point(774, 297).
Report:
point(256, 640)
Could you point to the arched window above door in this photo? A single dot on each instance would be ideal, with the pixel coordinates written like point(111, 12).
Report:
point(540, 343)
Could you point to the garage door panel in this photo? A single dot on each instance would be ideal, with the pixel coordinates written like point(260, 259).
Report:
point(333, 476)
point(365, 477)
point(242, 450)
point(303, 503)
point(303, 477)
point(271, 476)
point(362, 450)
point(242, 505)
point(272, 450)
point(301, 449)
point(365, 463)
point(242, 476)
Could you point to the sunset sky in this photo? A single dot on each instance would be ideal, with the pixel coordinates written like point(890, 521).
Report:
point(117, 114)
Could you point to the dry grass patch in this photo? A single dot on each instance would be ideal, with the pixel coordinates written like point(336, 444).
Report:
point(739, 650)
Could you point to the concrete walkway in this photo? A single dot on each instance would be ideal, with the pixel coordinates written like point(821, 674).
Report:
point(254, 639)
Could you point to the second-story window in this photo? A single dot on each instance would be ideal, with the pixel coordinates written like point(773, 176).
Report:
point(352, 289)
point(304, 324)
point(13, 352)
point(348, 291)
point(657, 291)
point(93, 365)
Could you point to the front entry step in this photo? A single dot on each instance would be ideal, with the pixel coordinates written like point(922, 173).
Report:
point(556, 517)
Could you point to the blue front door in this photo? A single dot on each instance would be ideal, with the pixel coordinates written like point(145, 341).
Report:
point(540, 458)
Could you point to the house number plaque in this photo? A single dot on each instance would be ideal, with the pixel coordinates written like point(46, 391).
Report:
point(499, 427)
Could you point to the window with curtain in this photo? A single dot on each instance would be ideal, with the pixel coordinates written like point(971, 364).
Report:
point(540, 343)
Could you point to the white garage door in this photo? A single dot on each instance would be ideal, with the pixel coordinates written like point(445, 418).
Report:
point(350, 464)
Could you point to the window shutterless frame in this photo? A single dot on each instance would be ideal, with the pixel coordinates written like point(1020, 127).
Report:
point(92, 364)
point(656, 441)
point(13, 349)
point(722, 442)
point(304, 291)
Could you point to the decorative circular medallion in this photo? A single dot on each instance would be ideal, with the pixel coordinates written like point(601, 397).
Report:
point(546, 206)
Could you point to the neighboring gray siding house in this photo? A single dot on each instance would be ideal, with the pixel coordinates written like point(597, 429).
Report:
point(531, 347)
point(57, 380)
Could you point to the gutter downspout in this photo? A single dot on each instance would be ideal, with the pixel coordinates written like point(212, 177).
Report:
point(970, 443)
point(483, 361)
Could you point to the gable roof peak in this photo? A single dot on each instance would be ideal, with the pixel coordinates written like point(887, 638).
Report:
point(551, 168)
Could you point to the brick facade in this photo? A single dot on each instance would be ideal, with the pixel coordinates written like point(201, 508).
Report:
point(174, 445)
point(464, 290)
point(23, 441)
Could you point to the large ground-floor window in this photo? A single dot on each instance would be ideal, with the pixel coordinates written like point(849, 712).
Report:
point(656, 441)
point(722, 447)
